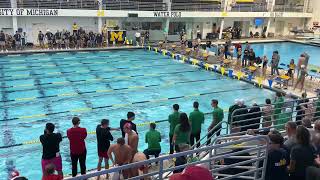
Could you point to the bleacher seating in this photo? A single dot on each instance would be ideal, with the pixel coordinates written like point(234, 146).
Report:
point(5, 4)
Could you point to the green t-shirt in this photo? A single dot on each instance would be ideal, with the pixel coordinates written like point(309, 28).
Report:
point(196, 118)
point(278, 106)
point(174, 121)
point(153, 138)
point(217, 115)
point(182, 137)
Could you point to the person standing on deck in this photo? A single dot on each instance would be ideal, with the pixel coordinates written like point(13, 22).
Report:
point(275, 63)
point(78, 151)
point(130, 118)
point(217, 117)
point(174, 121)
point(196, 119)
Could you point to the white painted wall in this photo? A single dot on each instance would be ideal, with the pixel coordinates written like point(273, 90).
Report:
point(6, 24)
point(288, 24)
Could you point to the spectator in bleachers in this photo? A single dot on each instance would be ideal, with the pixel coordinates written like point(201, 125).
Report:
point(103, 142)
point(78, 151)
point(284, 117)
point(193, 173)
point(131, 138)
point(174, 121)
point(254, 117)
point(182, 132)
point(233, 108)
point(50, 149)
point(291, 131)
point(267, 112)
point(307, 124)
point(299, 109)
point(130, 118)
point(317, 126)
point(122, 155)
point(302, 155)
point(277, 159)
point(241, 115)
point(196, 120)
point(75, 28)
point(316, 142)
point(278, 105)
point(217, 117)
point(153, 139)
point(49, 173)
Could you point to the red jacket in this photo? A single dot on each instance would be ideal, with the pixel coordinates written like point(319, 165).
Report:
point(52, 177)
point(76, 137)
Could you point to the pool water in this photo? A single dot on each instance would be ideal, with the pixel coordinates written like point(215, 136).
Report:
point(288, 51)
point(41, 88)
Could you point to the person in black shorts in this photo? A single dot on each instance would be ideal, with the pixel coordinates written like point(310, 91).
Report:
point(2, 41)
point(49, 37)
point(103, 139)
point(99, 40)
point(17, 38)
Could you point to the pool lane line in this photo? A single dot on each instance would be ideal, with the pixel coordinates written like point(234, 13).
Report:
point(58, 73)
point(110, 90)
point(50, 66)
point(33, 142)
point(123, 105)
point(92, 79)
point(79, 82)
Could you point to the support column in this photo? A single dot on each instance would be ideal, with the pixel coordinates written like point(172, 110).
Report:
point(14, 18)
point(166, 29)
point(271, 4)
point(221, 28)
point(100, 18)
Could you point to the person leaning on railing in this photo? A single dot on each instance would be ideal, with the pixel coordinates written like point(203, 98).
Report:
point(217, 117)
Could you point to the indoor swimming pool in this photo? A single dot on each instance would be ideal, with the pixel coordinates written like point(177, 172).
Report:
point(41, 88)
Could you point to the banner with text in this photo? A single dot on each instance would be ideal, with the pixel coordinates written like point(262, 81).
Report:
point(28, 12)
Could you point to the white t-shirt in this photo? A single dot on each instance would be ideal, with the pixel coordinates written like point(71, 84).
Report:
point(138, 34)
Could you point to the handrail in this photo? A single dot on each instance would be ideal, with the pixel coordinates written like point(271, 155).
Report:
point(161, 159)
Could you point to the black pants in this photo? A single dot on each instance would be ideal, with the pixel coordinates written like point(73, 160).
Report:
point(82, 161)
point(195, 136)
point(171, 145)
point(155, 153)
point(217, 129)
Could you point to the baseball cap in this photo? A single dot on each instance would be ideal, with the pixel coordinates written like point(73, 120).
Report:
point(193, 173)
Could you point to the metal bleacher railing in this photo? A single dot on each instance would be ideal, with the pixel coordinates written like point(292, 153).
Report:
point(58, 4)
point(188, 6)
point(251, 159)
point(134, 5)
point(288, 8)
point(255, 7)
point(5, 4)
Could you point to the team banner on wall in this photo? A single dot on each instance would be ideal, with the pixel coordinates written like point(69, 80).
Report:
point(116, 36)
point(28, 12)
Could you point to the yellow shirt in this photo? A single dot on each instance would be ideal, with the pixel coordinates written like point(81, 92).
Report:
point(292, 66)
point(75, 27)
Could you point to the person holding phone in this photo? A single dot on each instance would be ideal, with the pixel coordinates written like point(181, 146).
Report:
point(50, 149)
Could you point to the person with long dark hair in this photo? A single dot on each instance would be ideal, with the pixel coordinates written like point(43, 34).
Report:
point(302, 155)
point(182, 132)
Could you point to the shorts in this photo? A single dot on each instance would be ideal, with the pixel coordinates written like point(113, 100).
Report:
point(18, 43)
point(2, 43)
point(103, 154)
point(56, 161)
